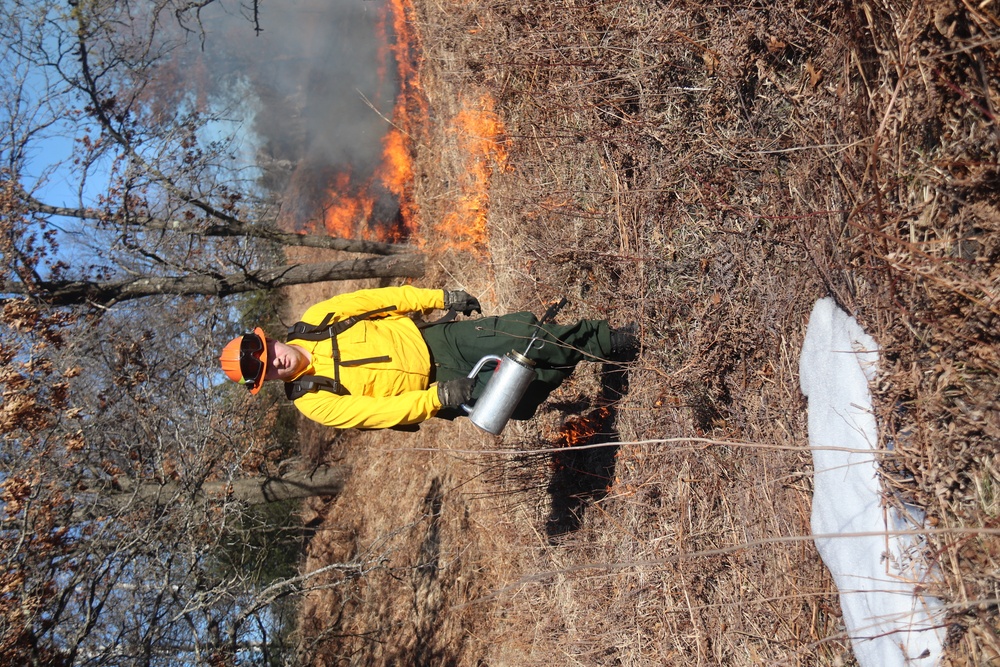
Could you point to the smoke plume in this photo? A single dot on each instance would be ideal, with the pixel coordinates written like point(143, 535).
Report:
point(324, 83)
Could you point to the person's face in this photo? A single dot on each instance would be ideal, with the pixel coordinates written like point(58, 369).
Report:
point(284, 362)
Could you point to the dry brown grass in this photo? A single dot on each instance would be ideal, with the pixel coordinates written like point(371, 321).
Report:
point(707, 171)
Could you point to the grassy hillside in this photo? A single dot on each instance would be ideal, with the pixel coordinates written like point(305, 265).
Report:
point(707, 171)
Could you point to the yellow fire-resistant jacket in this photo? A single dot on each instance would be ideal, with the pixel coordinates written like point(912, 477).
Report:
point(382, 394)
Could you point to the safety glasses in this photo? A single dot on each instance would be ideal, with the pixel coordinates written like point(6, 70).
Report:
point(251, 366)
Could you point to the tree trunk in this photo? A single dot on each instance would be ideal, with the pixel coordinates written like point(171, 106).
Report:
point(82, 292)
point(324, 481)
point(230, 228)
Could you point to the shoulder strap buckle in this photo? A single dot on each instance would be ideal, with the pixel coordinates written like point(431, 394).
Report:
point(312, 383)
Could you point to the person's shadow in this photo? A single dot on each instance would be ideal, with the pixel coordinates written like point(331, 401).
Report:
point(581, 476)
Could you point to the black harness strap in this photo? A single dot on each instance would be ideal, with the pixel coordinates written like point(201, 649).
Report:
point(322, 331)
point(444, 319)
point(311, 383)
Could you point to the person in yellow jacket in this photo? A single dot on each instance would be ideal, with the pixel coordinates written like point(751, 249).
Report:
point(358, 360)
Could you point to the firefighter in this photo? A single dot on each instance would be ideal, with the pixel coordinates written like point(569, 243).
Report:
point(359, 360)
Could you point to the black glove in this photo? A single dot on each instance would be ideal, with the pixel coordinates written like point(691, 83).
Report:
point(452, 393)
point(461, 301)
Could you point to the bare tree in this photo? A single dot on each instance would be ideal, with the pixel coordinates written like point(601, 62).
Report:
point(127, 520)
point(296, 485)
point(126, 464)
point(81, 292)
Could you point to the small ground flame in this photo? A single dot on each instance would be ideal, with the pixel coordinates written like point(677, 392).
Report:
point(580, 476)
point(480, 138)
point(579, 430)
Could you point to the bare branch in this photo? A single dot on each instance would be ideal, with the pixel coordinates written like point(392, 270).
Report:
point(105, 294)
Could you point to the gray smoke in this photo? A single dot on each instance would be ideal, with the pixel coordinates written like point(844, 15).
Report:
point(316, 72)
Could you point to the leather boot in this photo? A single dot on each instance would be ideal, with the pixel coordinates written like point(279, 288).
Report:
point(624, 343)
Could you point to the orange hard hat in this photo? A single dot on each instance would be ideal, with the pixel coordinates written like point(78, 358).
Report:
point(244, 359)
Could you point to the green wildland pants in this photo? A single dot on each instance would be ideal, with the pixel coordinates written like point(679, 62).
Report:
point(456, 348)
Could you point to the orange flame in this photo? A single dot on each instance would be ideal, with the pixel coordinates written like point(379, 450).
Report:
point(578, 430)
point(396, 170)
point(480, 135)
point(410, 110)
point(349, 208)
point(344, 207)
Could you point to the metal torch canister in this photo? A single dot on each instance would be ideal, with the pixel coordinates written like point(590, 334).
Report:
point(513, 374)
